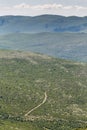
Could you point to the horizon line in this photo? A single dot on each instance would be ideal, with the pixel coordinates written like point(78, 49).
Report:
point(43, 15)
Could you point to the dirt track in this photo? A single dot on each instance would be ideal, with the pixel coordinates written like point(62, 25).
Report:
point(44, 100)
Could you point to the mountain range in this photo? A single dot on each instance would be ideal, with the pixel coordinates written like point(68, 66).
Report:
point(42, 23)
point(43, 73)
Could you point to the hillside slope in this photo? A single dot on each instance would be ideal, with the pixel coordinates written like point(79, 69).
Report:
point(56, 89)
point(43, 23)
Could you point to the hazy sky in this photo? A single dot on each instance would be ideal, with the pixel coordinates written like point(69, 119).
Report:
point(38, 7)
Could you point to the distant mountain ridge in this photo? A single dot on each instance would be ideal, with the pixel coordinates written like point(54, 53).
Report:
point(42, 23)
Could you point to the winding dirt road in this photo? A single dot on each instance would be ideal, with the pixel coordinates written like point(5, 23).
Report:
point(44, 100)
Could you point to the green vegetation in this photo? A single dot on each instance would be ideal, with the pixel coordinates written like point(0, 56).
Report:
point(25, 77)
point(15, 125)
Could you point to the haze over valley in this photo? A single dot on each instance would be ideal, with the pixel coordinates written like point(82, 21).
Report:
point(57, 36)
